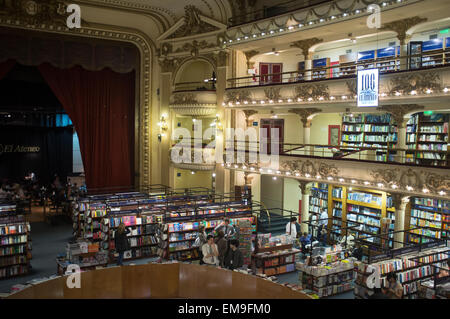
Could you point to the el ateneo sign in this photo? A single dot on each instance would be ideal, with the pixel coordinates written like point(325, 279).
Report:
point(368, 84)
point(12, 148)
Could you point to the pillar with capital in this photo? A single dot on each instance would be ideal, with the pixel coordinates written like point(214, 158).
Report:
point(400, 202)
point(305, 118)
point(305, 188)
point(401, 27)
point(305, 46)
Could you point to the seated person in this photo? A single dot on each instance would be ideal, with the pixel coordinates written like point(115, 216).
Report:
point(350, 239)
point(305, 240)
point(234, 259)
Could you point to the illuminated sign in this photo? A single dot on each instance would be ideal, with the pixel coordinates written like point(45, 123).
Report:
point(368, 85)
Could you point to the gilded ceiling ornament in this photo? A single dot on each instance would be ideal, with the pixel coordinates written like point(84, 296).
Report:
point(193, 24)
point(247, 114)
point(166, 48)
point(398, 199)
point(305, 113)
point(399, 111)
point(305, 45)
point(305, 187)
point(402, 26)
point(195, 46)
point(168, 65)
point(36, 12)
point(272, 93)
point(328, 170)
point(307, 167)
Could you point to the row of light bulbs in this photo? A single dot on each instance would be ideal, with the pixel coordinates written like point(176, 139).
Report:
point(321, 98)
point(319, 177)
point(301, 25)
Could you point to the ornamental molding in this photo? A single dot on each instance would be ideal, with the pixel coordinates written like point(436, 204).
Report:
point(402, 26)
point(184, 98)
point(194, 47)
point(248, 55)
point(247, 114)
point(305, 45)
point(146, 48)
point(305, 114)
point(198, 110)
point(312, 168)
point(312, 91)
point(417, 81)
point(272, 93)
point(195, 167)
point(352, 87)
point(305, 187)
point(399, 111)
point(238, 95)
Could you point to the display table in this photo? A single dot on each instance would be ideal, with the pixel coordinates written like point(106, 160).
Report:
point(274, 260)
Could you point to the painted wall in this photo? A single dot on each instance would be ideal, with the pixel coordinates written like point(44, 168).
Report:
point(186, 180)
point(272, 191)
point(319, 127)
point(291, 195)
point(195, 71)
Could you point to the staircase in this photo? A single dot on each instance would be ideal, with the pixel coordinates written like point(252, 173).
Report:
point(276, 226)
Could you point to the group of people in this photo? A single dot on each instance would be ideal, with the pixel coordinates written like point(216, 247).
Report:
point(222, 249)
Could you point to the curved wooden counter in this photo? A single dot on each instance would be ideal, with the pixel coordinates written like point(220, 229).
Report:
point(162, 281)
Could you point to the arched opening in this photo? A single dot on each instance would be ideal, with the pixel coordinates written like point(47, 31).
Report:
point(195, 75)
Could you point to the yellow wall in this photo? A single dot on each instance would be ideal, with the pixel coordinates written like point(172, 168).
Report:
point(319, 127)
point(291, 194)
point(186, 180)
point(195, 71)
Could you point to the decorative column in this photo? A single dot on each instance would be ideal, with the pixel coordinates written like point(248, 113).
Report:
point(305, 117)
point(247, 114)
point(248, 55)
point(401, 27)
point(399, 113)
point(305, 188)
point(165, 91)
point(400, 201)
point(305, 46)
point(222, 175)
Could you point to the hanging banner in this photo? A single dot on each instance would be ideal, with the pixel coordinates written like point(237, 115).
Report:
point(368, 85)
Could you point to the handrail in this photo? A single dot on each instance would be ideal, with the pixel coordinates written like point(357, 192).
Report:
point(400, 63)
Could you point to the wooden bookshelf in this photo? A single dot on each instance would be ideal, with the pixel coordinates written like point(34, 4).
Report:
point(318, 200)
point(15, 243)
point(370, 130)
point(274, 260)
point(427, 138)
point(431, 216)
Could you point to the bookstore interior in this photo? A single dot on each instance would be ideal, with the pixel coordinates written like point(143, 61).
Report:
point(337, 188)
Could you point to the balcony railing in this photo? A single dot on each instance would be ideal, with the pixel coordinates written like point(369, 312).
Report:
point(387, 154)
point(209, 85)
point(346, 70)
point(275, 10)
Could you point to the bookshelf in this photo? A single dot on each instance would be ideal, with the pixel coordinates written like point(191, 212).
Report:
point(15, 243)
point(321, 73)
point(372, 131)
point(430, 216)
point(318, 200)
point(410, 268)
point(182, 224)
point(274, 260)
point(427, 139)
point(369, 212)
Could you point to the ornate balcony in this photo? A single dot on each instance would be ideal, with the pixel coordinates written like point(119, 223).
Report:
point(194, 99)
point(191, 156)
point(397, 86)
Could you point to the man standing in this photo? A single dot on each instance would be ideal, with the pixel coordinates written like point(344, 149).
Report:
point(323, 222)
point(291, 229)
point(227, 229)
point(210, 252)
point(235, 259)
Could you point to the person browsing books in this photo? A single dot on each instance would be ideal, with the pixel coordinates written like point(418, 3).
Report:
point(222, 246)
point(121, 242)
point(235, 259)
point(210, 252)
point(200, 241)
point(394, 289)
point(227, 228)
point(291, 229)
point(348, 241)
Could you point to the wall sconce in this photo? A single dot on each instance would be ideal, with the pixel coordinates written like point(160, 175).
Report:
point(217, 124)
point(162, 126)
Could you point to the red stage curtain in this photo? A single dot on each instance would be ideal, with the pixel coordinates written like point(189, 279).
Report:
point(101, 107)
point(5, 67)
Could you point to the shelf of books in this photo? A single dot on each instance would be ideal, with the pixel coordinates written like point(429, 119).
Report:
point(318, 200)
point(411, 268)
point(371, 131)
point(327, 274)
point(367, 212)
point(427, 139)
point(428, 219)
point(182, 225)
point(85, 254)
point(15, 243)
point(274, 255)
